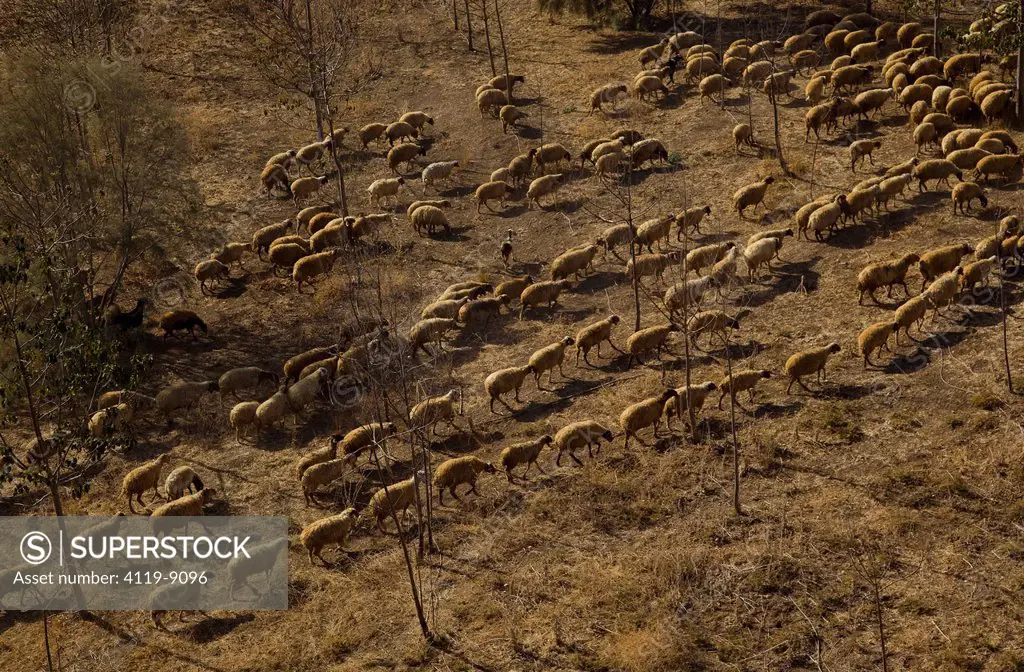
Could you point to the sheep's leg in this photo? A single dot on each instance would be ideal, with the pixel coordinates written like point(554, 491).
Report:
point(801, 383)
point(575, 459)
point(536, 464)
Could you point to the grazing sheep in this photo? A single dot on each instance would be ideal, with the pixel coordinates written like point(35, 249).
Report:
point(439, 170)
point(905, 168)
point(504, 381)
point(607, 164)
point(284, 159)
point(448, 308)
point(1002, 136)
point(310, 154)
point(608, 93)
point(690, 292)
point(967, 159)
point(526, 453)
point(285, 255)
point(552, 153)
point(645, 414)
point(995, 104)
point(319, 456)
point(650, 149)
point(991, 145)
point(242, 416)
point(689, 221)
point(394, 499)
point(578, 434)
point(400, 130)
point(761, 252)
point(711, 86)
point(143, 478)
point(751, 195)
point(543, 186)
point(542, 293)
point(415, 205)
point(549, 357)
point(643, 341)
point(501, 83)
point(488, 191)
point(110, 399)
point(294, 365)
point(181, 480)
point(739, 381)
point(885, 274)
point(432, 410)
point(452, 473)
point(304, 187)
point(875, 337)
point(509, 116)
point(934, 263)
point(262, 239)
point(405, 153)
point(329, 530)
point(274, 175)
point(807, 362)
point(935, 169)
point(318, 475)
point(431, 330)
point(1000, 165)
point(115, 418)
point(743, 135)
point(182, 395)
point(371, 133)
point(964, 193)
point(430, 218)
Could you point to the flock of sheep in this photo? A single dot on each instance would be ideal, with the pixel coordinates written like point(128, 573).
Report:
point(924, 86)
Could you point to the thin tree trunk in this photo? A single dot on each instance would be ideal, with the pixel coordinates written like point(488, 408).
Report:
point(416, 598)
point(881, 625)
point(504, 51)
point(1006, 349)
point(632, 244)
point(935, 29)
point(735, 442)
point(312, 71)
point(46, 640)
point(469, 25)
point(342, 197)
point(487, 37)
point(721, 50)
point(775, 122)
point(1020, 68)
point(455, 14)
point(686, 320)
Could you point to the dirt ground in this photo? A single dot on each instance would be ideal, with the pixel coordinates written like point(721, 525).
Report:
point(894, 490)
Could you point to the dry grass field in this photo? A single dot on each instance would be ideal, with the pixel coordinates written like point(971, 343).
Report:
point(895, 490)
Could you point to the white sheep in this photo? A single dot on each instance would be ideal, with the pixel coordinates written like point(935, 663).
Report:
point(143, 478)
point(181, 480)
point(440, 170)
point(592, 335)
point(751, 195)
point(578, 434)
point(687, 398)
point(761, 252)
point(739, 381)
point(549, 357)
point(644, 414)
point(647, 339)
point(452, 473)
point(385, 188)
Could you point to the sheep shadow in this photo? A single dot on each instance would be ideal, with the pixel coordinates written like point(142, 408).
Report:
point(788, 278)
point(456, 444)
point(511, 211)
point(529, 132)
point(737, 102)
point(457, 192)
point(616, 43)
point(596, 281)
point(773, 410)
point(213, 628)
point(842, 391)
point(852, 237)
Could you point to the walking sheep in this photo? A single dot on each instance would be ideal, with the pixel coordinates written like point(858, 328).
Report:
point(549, 357)
point(323, 473)
point(645, 340)
point(526, 453)
point(181, 480)
point(489, 191)
point(542, 293)
point(934, 263)
point(319, 456)
point(687, 398)
point(740, 381)
point(432, 410)
point(885, 274)
point(504, 381)
point(645, 414)
point(751, 195)
point(188, 505)
point(182, 396)
point(329, 530)
point(875, 337)
point(452, 473)
point(395, 498)
point(140, 479)
point(592, 335)
point(578, 434)
point(807, 362)
point(242, 416)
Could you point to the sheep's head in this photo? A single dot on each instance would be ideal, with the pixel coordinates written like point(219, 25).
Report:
point(769, 180)
point(669, 394)
point(489, 468)
point(207, 495)
point(212, 386)
point(766, 374)
point(709, 387)
point(546, 440)
point(568, 340)
point(607, 435)
point(833, 348)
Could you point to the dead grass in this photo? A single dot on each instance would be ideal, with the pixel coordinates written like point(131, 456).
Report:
point(634, 561)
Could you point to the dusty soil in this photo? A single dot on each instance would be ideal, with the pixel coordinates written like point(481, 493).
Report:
point(906, 477)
